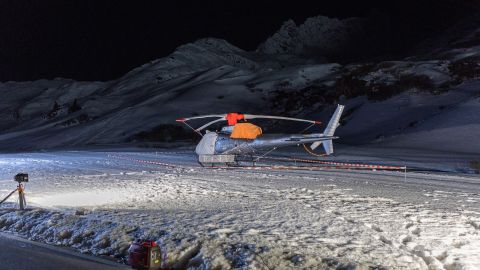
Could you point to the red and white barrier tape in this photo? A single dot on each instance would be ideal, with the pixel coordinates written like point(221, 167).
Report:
point(342, 164)
point(336, 165)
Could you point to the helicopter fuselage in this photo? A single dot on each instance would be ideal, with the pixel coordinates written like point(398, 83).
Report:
point(214, 143)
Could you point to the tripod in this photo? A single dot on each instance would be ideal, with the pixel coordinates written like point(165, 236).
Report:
point(21, 196)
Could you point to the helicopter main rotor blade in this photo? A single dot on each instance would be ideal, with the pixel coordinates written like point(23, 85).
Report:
point(253, 116)
point(210, 123)
point(223, 117)
point(201, 117)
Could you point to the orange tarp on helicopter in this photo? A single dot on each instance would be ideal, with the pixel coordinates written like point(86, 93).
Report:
point(245, 131)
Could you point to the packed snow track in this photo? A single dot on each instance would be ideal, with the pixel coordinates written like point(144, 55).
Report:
point(245, 219)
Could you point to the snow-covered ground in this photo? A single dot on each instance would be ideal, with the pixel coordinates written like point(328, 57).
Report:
point(99, 201)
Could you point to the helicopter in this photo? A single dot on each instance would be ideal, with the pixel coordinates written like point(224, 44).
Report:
point(240, 137)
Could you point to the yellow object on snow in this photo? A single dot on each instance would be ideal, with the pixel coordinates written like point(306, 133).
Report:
point(245, 131)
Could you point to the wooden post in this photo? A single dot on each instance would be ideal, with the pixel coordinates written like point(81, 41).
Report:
point(21, 197)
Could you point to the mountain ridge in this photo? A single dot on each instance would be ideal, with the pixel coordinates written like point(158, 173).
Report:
point(227, 78)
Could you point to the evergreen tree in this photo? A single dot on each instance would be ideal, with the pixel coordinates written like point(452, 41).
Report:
point(53, 112)
point(74, 107)
point(56, 107)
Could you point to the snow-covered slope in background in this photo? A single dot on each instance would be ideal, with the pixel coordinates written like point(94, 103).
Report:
point(425, 103)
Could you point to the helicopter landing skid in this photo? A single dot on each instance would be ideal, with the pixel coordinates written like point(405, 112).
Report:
point(215, 160)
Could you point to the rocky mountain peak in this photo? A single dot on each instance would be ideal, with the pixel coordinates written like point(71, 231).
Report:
point(317, 35)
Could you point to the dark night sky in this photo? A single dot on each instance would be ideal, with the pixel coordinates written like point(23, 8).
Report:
point(102, 40)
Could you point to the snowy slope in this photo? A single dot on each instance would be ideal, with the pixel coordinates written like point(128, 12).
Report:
point(413, 114)
point(426, 94)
